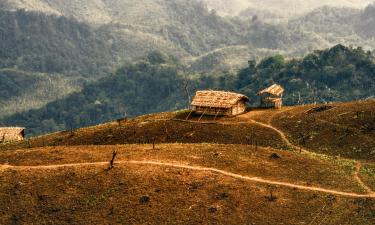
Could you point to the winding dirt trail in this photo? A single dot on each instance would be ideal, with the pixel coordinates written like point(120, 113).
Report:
point(295, 147)
point(282, 134)
point(196, 168)
point(360, 181)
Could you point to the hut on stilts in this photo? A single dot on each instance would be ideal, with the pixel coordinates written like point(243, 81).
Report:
point(271, 97)
point(9, 134)
point(218, 103)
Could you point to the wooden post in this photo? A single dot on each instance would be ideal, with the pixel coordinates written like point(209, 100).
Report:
point(191, 111)
point(202, 114)
point(166, 131)
point(112, 162)
point(217, 114)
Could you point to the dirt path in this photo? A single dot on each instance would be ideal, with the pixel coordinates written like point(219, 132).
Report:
point(196, 168)
point(269, 125)
point(295, 147)
point(282, 134)
point(359, 180)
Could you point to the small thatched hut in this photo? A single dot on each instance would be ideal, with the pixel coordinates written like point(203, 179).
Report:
point(8, 134)
point(271, 97)
point(218, 103)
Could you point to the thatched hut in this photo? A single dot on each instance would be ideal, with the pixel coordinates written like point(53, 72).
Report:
point(9, 134)
point(217, 103)
point(271, 97)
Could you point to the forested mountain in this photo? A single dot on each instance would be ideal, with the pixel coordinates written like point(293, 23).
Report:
point(330, 21)
point(124, 30)
point(336, 74)
point(21, 91)
point(152, 85)
point(37, 42)
point(158, 83)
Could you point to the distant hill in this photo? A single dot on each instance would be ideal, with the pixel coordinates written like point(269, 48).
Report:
point(331, 21)
point(366, 22)
point(283, 8)
point(37, 42)
point(18, 90)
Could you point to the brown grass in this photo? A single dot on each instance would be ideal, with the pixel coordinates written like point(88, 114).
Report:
point(347, 130)
point(245, 160)
point(162, 129)
point(90, 194)
point(367, 174)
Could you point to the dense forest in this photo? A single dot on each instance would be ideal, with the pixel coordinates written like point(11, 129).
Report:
point(160, 83)
point(36, 42)
point(21, 90)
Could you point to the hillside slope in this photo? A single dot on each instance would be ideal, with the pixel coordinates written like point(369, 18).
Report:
point(178, 184)
point(284, 165)
point(345, 129)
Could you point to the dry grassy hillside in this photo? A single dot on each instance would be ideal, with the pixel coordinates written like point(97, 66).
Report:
point(58, 182)
point(340, 129)
point(162, 128)
point(261, 173)
point(346, 130)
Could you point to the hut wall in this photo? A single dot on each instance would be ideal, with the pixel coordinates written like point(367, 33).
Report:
point(211, 111)
point(239, 108)
point(236, 109)
point(271, 103)
point(278, 104)
point(11, 134)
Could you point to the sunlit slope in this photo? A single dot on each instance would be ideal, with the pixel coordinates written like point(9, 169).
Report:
point(339, 129)
point(177, 184)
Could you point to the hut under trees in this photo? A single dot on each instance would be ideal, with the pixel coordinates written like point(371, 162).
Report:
point(218, 103)
point(271, 97)
point(9, 134)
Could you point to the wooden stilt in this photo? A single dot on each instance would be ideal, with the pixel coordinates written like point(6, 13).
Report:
point(217, 114)
point(202, 115)
point(191, 111)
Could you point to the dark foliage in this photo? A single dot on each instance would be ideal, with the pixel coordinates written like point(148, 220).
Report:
point(36, 42)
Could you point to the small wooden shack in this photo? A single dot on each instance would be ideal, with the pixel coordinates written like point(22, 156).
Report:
point(271, 97)
point(217, 103)
point(9, 134)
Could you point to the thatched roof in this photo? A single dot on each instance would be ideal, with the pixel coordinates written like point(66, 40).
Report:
point(13, 129)
point(217, 99)
point(274, 90)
